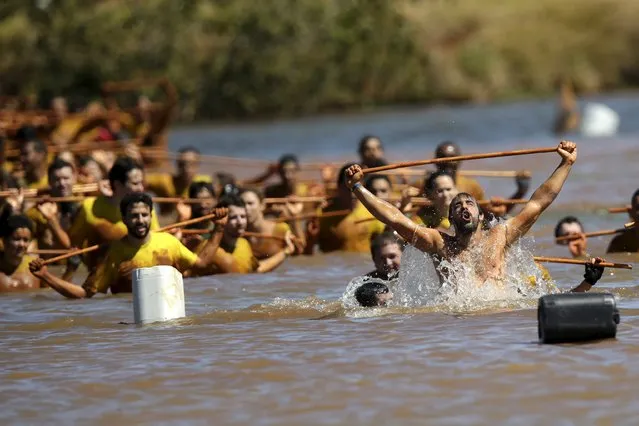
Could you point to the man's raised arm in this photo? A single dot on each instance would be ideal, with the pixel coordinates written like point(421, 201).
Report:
point(425, 239)
point(544, 195)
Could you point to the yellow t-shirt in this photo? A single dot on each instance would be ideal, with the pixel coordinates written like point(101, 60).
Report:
point(163, 184)
point(470, 186)
point(265, 247)
point(99, 221)
point(41, 232)
point(43, 183)
point(161, 249)
point(342, 233)
point(242, 255)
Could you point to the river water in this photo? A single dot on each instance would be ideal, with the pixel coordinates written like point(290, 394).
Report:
point(254, 350)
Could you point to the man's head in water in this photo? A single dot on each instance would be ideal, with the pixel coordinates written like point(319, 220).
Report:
point(370, 295)
point(237, 221)
point(136, 209)
point(386, 251)
point(464, 214)
point(126, 176)
point(634, 206)
point(570, 225)
point(371, 151)
point(61, 178)
point(445, 150)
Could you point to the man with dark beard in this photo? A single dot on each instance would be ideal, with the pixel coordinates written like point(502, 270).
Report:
point(140, 248)
point(482, 250)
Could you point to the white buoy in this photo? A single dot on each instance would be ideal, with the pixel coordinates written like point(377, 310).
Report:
point(158, 294)
point(599, 120)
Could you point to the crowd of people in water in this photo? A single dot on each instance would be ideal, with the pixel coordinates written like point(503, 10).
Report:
point(75, 181)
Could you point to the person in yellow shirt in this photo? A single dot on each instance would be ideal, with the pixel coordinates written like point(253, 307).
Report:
point(34, 159)
point(235, 254)
point(464, 184)
point(343, 233)
point(440, 189)
point(177, 185)
point(140, 248)
point(16, 232)
point(371, 151)
point(53, 220)
point(256, 222)
point(99, 219)
point(288, 171)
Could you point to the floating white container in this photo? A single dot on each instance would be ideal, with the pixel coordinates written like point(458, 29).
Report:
point(599, 120)
point(158, 294)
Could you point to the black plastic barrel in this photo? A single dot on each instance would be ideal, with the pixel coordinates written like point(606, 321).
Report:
point(577, 317)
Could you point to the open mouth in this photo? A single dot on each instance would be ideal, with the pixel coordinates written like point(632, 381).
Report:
point(466, 216)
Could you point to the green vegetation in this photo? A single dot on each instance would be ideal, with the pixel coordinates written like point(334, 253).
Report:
point(246, 58)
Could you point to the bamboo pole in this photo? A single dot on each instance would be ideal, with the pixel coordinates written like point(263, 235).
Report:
point(314, 215)
point(495, 173)
point(542, 259)
point(163, 229)
point(45, 199)
point(283, 200)
point(460, 158)
point(589, 235)
point(625, 209)
point(49, 251)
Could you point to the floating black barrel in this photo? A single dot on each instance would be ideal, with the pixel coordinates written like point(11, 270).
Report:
point(577, 317)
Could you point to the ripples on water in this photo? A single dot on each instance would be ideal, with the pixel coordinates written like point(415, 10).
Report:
point(282, 348)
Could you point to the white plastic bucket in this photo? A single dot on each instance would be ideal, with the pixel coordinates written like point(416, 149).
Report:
point(158, 294)
point(599, 120)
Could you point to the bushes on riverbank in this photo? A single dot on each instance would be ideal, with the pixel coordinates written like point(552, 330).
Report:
point(245, 58)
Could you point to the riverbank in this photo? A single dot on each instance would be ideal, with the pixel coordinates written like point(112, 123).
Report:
point(242, 59)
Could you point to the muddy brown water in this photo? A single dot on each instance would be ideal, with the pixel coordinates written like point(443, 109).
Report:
point(254, 351)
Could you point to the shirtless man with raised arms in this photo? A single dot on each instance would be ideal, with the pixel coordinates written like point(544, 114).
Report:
point(483, 250)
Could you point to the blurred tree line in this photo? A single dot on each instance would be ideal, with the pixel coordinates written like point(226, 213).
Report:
point(245, 58)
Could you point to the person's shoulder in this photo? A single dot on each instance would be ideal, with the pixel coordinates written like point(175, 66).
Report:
point(163, 239)
point(35, 215)
point(619, 243)
point(281, 228)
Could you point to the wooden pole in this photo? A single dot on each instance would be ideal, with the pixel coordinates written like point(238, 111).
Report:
point(163, 229)
point(625, 209)
point(495, 173)
point(294, 200)
point(589, 235)
point(460, 158)
point(49, 251)
point(542, 259)
point(46, 199)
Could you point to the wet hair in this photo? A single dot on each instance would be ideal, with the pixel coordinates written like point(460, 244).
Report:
point(8, 181)
point(368, 182)
point(566, 220)
point(256, 191)
point(366, 294)
point(288, 158)
point(121, 168)
point(457, 197)
point(441, 148)
point(197, 187)
point(57, 164)
point(429, 183)
point(228, 200)
point(38, 145)
point(25, 134)
point(364, 140)
point(386, 237)
point(634, 197)
point(133, 198)
point(188, 148)
point(83, 160)
point(341, 176)
point(10, 222)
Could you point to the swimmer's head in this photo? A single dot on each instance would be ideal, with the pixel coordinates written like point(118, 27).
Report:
point(126, 176)
point(634, 206)
point(61, 176)
point(386, 250)
point(440, 189)
point(254, 201)
point(188, 162)
point(236, 223)
point(136, 209)
point(17, 232)
point(567, 226)
point(370, 295)
point(33, 154)
point(371, 151)
point(379, 185)
point(444, 150)
point(204, 191)
point(464, 214)
point(288, 168)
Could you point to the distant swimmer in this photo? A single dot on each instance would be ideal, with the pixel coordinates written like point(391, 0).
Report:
point(567, 118)
point(288, 170)
point(16, 232)
point(386, 251)
point(371, 295)
point(570, 225)
point(371, 151)
point(628, 241)
point(482, 250)
point(34, 160)
point(139, 248)
point(380, 186)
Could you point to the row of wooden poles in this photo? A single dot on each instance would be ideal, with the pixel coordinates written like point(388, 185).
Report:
point(382, 169)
